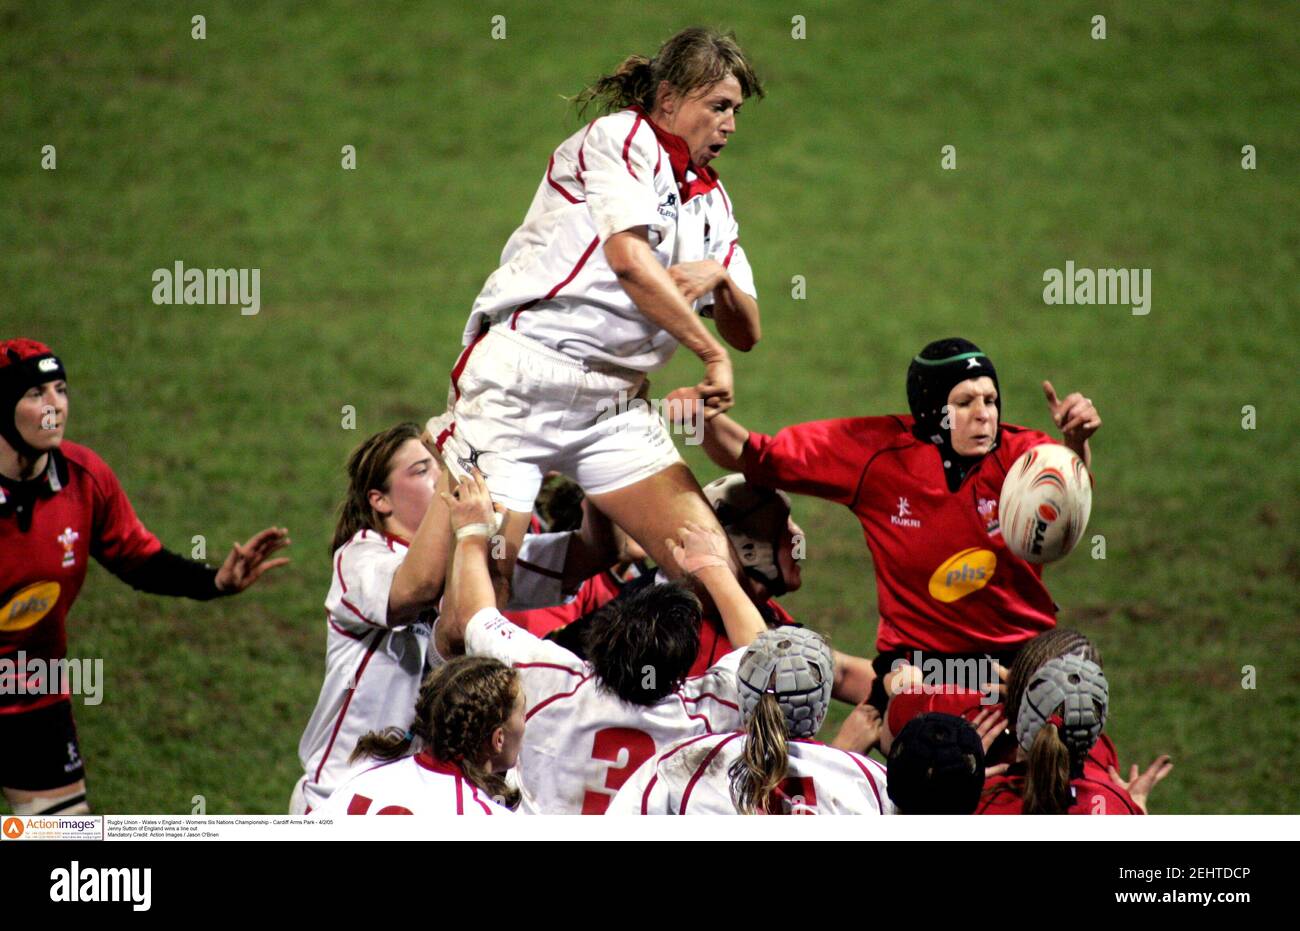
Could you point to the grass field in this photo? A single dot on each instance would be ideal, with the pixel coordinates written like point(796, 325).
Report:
point(225, 152)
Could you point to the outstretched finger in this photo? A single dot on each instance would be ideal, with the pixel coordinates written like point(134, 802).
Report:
point(1050, 393)
point(266, 566)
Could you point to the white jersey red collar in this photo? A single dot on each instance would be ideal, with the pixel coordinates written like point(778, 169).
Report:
point(679, 157)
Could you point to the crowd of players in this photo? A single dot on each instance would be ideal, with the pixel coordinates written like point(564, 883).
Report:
point(486, 655)
point(625, 693)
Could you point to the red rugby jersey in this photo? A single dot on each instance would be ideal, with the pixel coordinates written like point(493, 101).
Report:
point(1092, 796)
point(967, 704)
point(945, 580)
point(80, 512)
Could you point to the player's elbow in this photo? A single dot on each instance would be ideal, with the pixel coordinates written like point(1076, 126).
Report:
point(742, 335)
point(747, 339)
point(626, 253)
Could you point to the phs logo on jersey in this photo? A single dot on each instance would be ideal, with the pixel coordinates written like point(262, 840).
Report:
point(28, 606)
point(961, 573)
point(668, 207)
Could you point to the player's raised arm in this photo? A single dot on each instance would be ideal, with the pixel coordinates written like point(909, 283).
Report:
point(700, 552)
point(656, 295)
point(419, 581)
point(469, 589)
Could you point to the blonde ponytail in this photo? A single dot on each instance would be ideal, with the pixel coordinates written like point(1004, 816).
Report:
point(762, 766)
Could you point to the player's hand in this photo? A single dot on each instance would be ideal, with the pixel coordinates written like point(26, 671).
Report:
point(696, 279)
point(999, 688)
point(706, 400)
point(247, 561)
point(684, 410)
point(903, 679)
point(989, 724)
point(860, 731)
point(470, 502)
point(718, 388)
point(1075, 416)
point(698, 547)
point(1139, 786)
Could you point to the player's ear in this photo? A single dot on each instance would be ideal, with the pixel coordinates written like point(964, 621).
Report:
point(379, 502)
point(665, 98)
point(498, 740)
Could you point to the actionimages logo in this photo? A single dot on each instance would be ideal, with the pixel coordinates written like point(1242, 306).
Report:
point(103, 884)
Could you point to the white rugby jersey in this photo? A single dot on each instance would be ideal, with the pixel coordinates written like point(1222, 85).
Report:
point(373, 672)
point(581, 741)
point(691, 778)
point(413, 785)
point(554, 285)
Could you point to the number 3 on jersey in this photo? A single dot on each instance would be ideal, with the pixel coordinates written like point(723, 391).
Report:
point(360, 805)
point(627, 748)
point(795, 796)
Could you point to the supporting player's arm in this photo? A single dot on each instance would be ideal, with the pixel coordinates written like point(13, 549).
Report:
point(418, 582)
point(469, 587)
point(592, 550)
point(854, 677)
point(656, 295)
point(700, 552)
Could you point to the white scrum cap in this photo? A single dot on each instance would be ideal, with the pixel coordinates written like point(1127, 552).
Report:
point(795, 665)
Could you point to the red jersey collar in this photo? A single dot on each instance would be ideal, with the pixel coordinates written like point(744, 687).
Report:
point(430, 762)
point(679, 157)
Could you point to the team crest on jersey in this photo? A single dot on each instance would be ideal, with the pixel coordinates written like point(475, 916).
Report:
point(904, 516)
point(668, 207)
point(68, 538)
point(988, 508)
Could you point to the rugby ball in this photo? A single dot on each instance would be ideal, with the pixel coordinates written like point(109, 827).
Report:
point(1045, 503)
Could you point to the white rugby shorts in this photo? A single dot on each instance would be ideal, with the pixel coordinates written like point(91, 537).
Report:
point(518, 409)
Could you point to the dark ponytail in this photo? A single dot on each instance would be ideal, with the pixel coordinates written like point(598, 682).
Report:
point(1047, 774)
